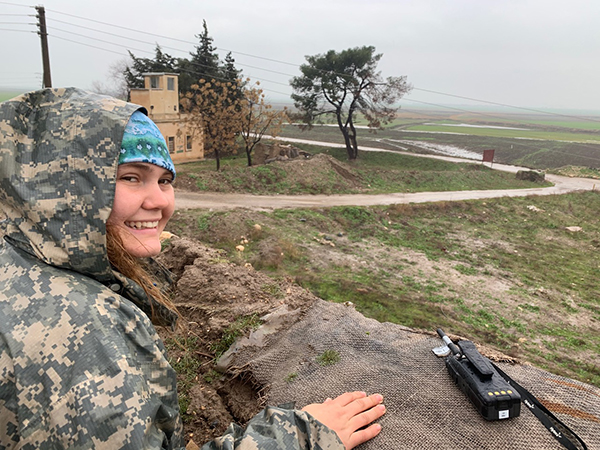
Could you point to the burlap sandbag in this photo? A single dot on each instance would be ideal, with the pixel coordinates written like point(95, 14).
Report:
point(425, 409)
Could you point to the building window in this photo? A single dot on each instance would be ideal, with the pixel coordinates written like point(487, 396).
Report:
point(154, 82)
point(171, 84)
point(188, 143)
point(171, 144)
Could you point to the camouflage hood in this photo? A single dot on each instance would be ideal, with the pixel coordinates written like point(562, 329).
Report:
point(58, 159)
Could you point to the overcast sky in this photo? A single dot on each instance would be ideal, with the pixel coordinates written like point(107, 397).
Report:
point(527, 53)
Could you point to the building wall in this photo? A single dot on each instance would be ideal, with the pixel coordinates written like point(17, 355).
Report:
point(140, 97)
point(163, 108)
point(184, 144)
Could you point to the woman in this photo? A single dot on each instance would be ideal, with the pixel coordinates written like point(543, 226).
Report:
point(86, 189)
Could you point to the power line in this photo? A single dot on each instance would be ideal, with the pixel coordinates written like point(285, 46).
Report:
point(479, 113)
point(296, 65)
point(181, 69)
point(453, 108)
point(28, 76)
point(15, 4)
point(18, 31)
point(171, 38)
point(162, 46)
point(121, 27)
point(99, 40)
point(501, 104)
point(101, 31)
point(89, 45)
point(145, 51)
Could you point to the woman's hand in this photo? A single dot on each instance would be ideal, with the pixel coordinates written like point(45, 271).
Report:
point(348, 414)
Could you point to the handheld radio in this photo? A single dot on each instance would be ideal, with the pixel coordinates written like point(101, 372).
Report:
point(474, 374)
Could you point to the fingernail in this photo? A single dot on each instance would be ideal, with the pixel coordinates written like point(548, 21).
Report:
point(379, 398)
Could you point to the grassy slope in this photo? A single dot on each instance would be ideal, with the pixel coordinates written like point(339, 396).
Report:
point(498, 271)
point(440, 264)
point(372, 173)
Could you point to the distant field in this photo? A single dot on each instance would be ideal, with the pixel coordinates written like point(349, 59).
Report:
point(549, 135)
point(8, 95)
point(548, 142)
point(593, 124)
point(539, 122)
point(585, 121)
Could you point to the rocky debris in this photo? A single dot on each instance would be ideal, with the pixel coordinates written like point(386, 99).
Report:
point(266, 153)
point(534, 208)
point(324, 239)
point(531, 175)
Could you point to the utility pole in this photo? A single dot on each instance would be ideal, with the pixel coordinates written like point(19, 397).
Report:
point(41, 16)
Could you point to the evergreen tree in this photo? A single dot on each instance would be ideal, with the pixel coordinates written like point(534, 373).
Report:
point(229, 71)
point(205, 61)
point(161, 63)
point(203, 64)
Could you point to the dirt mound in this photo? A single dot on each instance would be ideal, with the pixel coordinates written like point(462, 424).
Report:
point(212, 295)
point(319, 174)
point(319, 165)
point(265, 153)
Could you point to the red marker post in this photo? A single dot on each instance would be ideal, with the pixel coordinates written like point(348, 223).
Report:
point(488, 156)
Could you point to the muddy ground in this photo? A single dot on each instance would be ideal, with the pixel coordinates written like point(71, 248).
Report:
point(211, 294)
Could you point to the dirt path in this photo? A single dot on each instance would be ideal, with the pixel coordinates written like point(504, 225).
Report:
point(212, 200)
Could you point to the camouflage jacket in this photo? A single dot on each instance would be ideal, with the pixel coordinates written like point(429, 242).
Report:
point(81, 365)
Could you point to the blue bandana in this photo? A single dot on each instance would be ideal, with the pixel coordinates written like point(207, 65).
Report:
point(143, 142)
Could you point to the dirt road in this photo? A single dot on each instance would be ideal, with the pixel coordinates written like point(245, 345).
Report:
point(191, 200)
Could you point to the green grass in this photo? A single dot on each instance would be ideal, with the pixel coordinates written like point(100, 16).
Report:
point(291, 377)
point(328, 358)
point(591, 125)
point(187, 365)
point(568, 136)
point(8, 95)
point(549, 268)
point(373, 173)
point(551, 273)
point(241, 326)
point(583, 121)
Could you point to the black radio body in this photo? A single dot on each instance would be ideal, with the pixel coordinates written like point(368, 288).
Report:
point(474, 374)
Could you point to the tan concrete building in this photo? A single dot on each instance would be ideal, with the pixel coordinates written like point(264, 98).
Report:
point(160, 97)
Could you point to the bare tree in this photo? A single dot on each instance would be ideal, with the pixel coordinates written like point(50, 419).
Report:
point(115, 83)
point(258, 118)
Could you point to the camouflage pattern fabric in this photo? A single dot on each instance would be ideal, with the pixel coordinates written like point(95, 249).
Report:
point(275, 429)
point(81, 365)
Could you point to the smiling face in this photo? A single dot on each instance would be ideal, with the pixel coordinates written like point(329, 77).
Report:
point(144, 203)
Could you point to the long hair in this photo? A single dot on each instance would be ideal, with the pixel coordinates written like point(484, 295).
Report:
point(134, 269)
